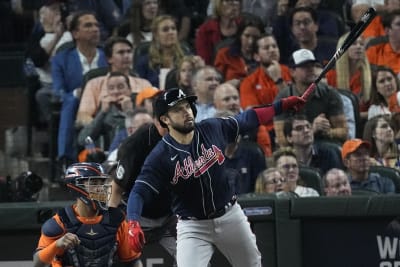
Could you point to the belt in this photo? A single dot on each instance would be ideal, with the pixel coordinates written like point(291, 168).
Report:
point(213, 215)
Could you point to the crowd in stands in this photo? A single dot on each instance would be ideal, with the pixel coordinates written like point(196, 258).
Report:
point(103, 63)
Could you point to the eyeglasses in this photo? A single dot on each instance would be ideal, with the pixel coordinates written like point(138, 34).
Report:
point(287, 167)
point(276, 181)
point(301, 128)
point(305, 22)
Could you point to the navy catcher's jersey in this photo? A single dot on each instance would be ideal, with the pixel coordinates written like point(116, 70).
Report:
point(195, 172)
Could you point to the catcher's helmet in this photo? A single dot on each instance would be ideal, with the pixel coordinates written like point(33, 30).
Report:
point(90, 183)
point(168, 99)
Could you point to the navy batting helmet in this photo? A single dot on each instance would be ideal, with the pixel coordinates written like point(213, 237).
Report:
point(90, 183)
point(168, 99)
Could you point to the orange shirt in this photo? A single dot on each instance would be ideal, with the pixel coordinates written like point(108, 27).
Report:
point(383, 54)
point(259, 89)
point(355, 81)
point(375, 28)
point(124, 252)
point(231, 67)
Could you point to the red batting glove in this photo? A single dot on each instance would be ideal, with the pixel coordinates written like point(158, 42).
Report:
point(136, 236)
point(292, 102)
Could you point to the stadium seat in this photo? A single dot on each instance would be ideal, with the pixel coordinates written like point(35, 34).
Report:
point(310, 177)
point(391, 173)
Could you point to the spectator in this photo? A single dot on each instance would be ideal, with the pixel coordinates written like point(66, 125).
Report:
point(182, 75)
point(141, 16)
point(179, 10)
point(235, 61)
point(145, 98)
point(204, 82)
point(379, 133)
point(262, 86)
point(264, 9)
point(118, 51)
point(388, 53)
point(336, 183)
point(270, 181)
point(355, 156)
point(353, 72)
point(304, 27)
point(323, 108)
point(298, 132)
point(111, 115)
point(47, 37)
point(68, 68)
point(164, 54)
point(223, 24)
point(133, 120)
point(107, 13)
point(385, 87)
point(286, 162)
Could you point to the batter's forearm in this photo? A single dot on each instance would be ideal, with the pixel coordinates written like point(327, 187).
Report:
point(135, 206)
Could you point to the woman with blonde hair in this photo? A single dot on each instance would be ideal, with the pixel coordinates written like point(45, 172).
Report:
point(164, 53)
point(270, 181)
point(353, 72)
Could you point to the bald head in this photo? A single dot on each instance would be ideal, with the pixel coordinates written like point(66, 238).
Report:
point(226, 97)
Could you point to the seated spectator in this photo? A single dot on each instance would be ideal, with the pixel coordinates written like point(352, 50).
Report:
point(47, 36)
point(328, 24)
point(118, 51)
point(385, 88)
point(179, 10)
point(336, 183)
point(299, 134)
point(165, 52)
point(388, 53)
point(262, 86)
point(324, 106)
point(236, 61)
point(304, 26)
point(141, 16)
point(270, 181)
point(67, 70)
point(204, 81)
point(111, 115)
point(380, 135)
point(286, 162)
point(133, 120)
point(183, 74)
point(145, 99)
point(223, 24)
point(356, 157)
point(353, 72)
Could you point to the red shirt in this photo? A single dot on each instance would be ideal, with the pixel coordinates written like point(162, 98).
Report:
point(231, 67)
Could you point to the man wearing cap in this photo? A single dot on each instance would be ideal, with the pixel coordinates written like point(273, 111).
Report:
point(118, 52)
point(355, 156)
point(189, 162)
point(324, 107)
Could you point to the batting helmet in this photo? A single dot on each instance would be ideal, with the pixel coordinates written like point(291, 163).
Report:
point(90, 183)
point(168, 99)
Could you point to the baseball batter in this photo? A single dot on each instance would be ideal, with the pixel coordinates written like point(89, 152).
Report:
point(189, 161)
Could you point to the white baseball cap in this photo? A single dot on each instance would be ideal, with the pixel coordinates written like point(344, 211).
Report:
point(302, 56)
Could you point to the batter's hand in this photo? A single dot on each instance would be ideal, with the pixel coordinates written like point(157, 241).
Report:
point(292, 102)
point(136, 236)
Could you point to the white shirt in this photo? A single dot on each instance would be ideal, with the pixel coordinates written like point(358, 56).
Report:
point(86, 66)
point(303, 191)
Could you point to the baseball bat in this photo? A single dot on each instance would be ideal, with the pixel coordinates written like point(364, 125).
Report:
point(351, 38)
